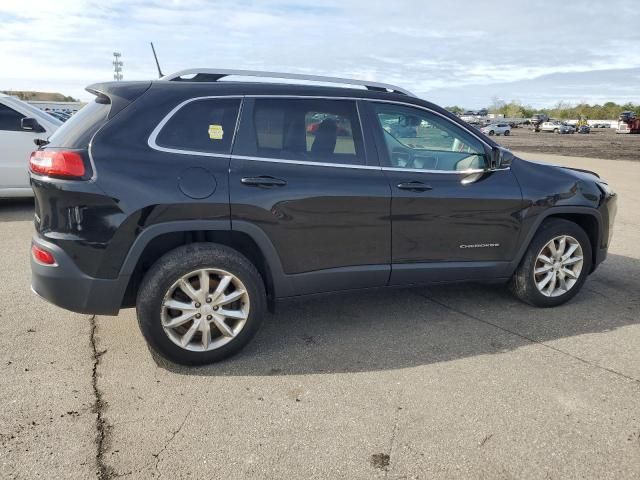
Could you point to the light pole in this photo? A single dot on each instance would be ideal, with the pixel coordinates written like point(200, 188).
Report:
point(117, 66)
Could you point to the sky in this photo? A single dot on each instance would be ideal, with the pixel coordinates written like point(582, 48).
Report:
point(452, 52)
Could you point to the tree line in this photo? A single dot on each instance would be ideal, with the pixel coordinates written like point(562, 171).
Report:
point(562, 110)
point(46, 96)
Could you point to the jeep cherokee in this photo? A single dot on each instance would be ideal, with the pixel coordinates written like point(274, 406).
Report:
point(201, 201)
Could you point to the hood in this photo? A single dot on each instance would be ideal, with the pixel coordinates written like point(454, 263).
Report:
point(578, 172)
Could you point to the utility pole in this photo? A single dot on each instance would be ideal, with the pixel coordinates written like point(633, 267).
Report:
point(117, 66)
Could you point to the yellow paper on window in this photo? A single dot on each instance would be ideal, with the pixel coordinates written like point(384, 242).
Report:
point(216, 132)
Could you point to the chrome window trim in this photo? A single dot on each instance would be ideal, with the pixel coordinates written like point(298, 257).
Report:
point(152, 140)
point(305, 162)
point(154, 134)
point(361, 167)
point(420, 170)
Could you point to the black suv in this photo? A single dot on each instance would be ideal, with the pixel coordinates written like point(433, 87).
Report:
point(201, 202)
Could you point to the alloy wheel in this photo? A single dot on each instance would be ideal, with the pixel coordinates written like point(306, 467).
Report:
point(558, 266)
point(205, 309)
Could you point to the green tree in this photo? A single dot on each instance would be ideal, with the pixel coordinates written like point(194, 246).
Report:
point(454, 109)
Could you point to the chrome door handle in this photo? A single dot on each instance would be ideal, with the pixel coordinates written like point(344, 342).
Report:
point(263, 181)
point(414, 186)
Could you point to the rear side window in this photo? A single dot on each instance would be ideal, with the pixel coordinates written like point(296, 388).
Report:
point(308, 130)
point(80, 128)
point(205, 125)
point(10, 119)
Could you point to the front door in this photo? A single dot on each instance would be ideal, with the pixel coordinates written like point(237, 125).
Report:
point(300, 172)
point(451, 219)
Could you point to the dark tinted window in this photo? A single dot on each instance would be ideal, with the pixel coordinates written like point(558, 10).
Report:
point(311, 130)
point(80, 128)
point(202, 126)
point(9, 118)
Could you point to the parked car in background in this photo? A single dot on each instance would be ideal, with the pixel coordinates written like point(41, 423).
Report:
point(584, 129)
point(556, 127)
point(59, 115)
point(566, 128)
point(20, 125)
point(550, 127)
point(497, 129)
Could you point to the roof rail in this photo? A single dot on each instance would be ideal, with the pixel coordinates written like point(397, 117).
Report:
point(215, 74)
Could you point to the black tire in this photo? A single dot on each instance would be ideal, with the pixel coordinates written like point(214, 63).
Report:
point(507, 133)
point(491, 133)
point(523, 282)
point(173, 265)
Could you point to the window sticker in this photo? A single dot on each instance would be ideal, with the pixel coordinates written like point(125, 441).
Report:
point(216, 132)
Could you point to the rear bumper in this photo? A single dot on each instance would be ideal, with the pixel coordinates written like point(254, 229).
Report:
point(67, 287)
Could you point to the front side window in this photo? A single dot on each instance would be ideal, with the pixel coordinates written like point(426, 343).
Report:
point(10, 119)
point(205, 125)
point(419, 139)
point(308, 130)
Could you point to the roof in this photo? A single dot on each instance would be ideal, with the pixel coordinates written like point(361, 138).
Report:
point(214, 75)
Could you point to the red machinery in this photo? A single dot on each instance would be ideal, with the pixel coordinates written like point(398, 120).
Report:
point(628, 123)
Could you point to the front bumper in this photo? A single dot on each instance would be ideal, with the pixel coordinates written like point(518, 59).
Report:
point(66, 286)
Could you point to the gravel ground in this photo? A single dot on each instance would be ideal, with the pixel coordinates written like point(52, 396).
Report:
point(449, 382)
point(600, 143)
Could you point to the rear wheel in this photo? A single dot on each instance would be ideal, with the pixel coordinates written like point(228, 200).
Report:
point(491, 132)
point(555, 266)
point(200, 303)
point(555, 130)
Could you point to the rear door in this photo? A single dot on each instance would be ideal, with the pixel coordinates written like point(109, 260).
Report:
point(301, 171)
point(451, 219)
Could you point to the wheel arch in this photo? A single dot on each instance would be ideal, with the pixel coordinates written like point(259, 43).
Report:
point(247, 239)
point(589, 219)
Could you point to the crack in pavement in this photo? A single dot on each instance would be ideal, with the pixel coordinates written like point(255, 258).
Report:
point(394, 432)
point(532, 340)
point(104, 472)
point(173, 435)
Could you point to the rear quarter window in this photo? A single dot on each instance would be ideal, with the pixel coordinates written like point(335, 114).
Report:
point(80, 128)
point(204, 125)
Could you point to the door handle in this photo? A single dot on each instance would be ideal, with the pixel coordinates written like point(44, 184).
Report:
point(414, 186)
point(263, 181)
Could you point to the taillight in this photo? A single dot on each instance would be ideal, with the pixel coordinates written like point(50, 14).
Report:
point(63, 164)
point(42, 256)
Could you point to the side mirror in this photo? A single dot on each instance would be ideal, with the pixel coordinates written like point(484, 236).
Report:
point(32, 125)
point(500, 158)
point(495, 158)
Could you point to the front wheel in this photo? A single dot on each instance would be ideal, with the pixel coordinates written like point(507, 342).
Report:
point(507, 133)
point(200, 303)
point(555, 266)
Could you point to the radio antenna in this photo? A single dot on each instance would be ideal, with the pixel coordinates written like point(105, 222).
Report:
point(160, 75)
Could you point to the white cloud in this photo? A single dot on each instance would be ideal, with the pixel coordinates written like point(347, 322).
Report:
point(429, 48)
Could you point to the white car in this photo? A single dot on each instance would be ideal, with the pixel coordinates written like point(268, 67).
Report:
point(20, 125)
point(497, 129)
point(557, 127)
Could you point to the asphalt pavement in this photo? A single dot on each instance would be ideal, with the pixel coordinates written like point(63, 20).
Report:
point(446, 382)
